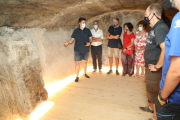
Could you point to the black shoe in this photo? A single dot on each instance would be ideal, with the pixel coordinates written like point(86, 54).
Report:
point(77, 79)
point(117, 73)
point(110, 71)
point(146, 109)
point(86, 76)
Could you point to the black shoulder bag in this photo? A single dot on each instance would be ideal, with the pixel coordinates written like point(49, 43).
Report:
point(120, 46)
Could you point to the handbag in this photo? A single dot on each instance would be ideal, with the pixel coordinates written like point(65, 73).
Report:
point(129, 51)
point(120, 46)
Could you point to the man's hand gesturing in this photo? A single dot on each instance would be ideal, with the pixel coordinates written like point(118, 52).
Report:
point(66, 44)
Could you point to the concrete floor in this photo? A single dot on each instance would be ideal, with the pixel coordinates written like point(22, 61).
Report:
point(102, 97)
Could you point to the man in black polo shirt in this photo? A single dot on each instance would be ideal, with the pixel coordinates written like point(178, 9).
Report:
point(154, 54)
point(113, 35)
point(82, 37)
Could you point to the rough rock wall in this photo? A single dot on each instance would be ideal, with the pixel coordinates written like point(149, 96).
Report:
point(21, 84)
point(31, 58)
point(57, 61)
point(106, 20)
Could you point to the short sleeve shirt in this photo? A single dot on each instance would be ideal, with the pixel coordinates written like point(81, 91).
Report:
point(156, 36)
point(127, 39)
point(113, 43)
point(172, 48)
point(81, 37)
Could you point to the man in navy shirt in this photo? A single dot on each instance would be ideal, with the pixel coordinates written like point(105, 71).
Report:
point(82, 37)
point(168, 101)
point(113, 35)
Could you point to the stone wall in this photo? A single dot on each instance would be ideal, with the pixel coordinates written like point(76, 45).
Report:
point(21, 85)
point(57, 61)
point(105, 21)
point(31, 58)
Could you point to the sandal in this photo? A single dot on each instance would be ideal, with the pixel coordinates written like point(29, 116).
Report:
point(141, 76)
point(136, 75)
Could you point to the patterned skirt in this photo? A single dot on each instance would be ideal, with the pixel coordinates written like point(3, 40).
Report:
point(139, 58)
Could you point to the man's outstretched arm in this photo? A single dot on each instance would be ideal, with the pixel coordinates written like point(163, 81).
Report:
point(69, 42)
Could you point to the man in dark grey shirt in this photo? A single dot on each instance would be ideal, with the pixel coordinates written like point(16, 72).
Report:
point(113, 35)
point(153, 49)
point(82, 37)
point(154, 54)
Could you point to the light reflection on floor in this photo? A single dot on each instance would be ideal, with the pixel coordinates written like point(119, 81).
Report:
point(57, 86)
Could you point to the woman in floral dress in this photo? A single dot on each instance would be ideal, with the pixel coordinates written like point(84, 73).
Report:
point(140, 44)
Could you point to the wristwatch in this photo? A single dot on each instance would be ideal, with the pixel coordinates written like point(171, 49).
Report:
point(156, 67)
point(162, 98)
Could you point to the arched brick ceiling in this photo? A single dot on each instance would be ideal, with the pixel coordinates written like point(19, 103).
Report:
point(53, 13)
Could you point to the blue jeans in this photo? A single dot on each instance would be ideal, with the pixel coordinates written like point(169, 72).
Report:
point(79, 56)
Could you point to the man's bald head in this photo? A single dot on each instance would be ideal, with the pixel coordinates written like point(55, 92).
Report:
point(153, 14)
point(156, 8)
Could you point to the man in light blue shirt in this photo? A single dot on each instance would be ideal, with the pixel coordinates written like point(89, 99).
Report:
point(168, 101)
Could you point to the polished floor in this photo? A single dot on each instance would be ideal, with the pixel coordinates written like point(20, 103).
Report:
point(102, 97)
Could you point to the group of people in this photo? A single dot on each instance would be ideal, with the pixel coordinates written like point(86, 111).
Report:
point(132, 51)
point(156, 52)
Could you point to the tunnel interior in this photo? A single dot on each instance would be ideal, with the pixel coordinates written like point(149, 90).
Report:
point(32, 35)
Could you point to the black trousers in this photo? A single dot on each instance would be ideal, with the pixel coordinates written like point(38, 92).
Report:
point(169, 111)
point(96, 53)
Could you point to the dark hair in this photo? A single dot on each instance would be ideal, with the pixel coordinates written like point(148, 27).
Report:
point(81, 19)
point(142, 22)
point(129, 25)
